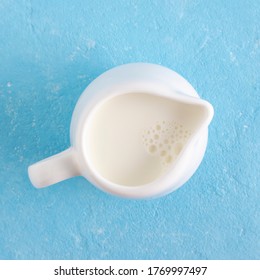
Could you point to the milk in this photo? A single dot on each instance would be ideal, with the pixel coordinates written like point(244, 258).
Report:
point(132, 139)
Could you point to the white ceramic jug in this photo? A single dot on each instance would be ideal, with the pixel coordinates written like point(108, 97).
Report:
point(138, 130)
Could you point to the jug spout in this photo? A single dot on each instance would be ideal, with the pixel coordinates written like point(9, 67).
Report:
point(196, 113)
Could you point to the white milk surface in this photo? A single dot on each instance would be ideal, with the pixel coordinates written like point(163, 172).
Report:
point(133, 138)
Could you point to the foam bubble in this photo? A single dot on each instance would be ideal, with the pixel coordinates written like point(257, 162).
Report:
point(165, 140)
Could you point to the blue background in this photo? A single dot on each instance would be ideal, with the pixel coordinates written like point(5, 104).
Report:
point(51, 50)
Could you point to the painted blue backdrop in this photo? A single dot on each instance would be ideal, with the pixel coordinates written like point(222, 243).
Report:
point(51, 50)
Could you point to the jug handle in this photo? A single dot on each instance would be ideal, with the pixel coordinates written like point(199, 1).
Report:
point(54, 169)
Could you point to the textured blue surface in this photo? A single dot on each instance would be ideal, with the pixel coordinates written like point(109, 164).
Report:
point(51, 50)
